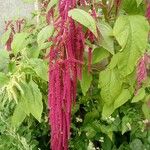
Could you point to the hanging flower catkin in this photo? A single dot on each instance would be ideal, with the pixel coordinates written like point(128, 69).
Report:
point(66, 59)
point(141, 71)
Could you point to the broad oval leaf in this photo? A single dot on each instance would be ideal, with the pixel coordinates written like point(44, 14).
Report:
point(123, 97)
point(107, 110)
point(84, 18)
point(18, 115)
point(32, 100)
point(110, 85)
point(44, 34)
point(107, 40)
point(40, 67)
point(99, 54)
point(131, 32)
point(19, 42)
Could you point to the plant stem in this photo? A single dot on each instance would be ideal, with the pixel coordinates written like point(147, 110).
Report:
point(104, 8)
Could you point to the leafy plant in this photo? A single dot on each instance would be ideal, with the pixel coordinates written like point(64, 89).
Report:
point(102, 44)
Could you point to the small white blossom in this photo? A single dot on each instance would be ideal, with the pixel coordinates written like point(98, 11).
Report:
point(78, 119)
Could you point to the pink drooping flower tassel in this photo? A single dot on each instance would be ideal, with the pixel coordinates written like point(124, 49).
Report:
point(142, 71)
point(148, 12)
point(65, 65)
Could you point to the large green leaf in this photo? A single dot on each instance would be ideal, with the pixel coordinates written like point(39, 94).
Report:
point(32, 100)
point(19, 42)
point(84, 18)
point(99, 54)
point(107, 110)
point(123, 97)
point(35, 102)
point(106, 39)
point(44, 34)
point(86, 81)
point(40, 67)
point(131, 32)
point(110, 85)
point(18, 115)
point(118, 101)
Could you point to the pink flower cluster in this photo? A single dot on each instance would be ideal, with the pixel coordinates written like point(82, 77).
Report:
point(142, 71)
point(66, 60)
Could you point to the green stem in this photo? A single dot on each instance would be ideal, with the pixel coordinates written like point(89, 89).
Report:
point(104, 8)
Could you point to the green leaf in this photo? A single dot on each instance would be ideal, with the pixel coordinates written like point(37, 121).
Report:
point(35, 103)
point(123, 97)
point(125, 120)
point(32, 100)
point(99, 54)
point(18, 115)
point(84, 18)
point(3, 79)
point(4, 59)
point(19, 42)
point(136, 144)
point(133, 7)
point(86, 81)
point(51, 4)
point(106, 39)
point(40, 67)
point(44, 34)
point(118, 101)
point(139, 2)
point(114, 61)
point(5, 37)
point(90, 116)
point(110, 85)
point(45, 45)
point(107, 110)
point(139, 96)
point(131, 32)
point(146, 111)
point(32, 52)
